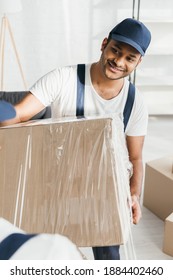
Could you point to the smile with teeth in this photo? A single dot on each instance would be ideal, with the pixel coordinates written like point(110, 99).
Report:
point(114, 67)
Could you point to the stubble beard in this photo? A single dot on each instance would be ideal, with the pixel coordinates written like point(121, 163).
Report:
point(104, 64)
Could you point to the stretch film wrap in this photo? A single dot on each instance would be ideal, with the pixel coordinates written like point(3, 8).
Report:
point(68, 176)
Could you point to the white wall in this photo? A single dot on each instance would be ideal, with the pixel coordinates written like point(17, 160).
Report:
point(50, 33)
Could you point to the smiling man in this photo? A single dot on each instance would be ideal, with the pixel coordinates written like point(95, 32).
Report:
point(104, 88)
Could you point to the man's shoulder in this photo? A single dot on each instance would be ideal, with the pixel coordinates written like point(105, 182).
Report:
point(68, 68)
point(63, 72)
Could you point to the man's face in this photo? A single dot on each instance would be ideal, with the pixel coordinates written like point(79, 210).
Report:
point(118, 59)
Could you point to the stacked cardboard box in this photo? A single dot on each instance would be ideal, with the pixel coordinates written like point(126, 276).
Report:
point(158, 187)
point(66, 176)
point(168, 236)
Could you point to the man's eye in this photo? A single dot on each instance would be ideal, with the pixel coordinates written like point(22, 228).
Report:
point(130, 59)
point(114, 50)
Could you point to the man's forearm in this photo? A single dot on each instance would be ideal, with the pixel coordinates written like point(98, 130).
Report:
point(137, 178)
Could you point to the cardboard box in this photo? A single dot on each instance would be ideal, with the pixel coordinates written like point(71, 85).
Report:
point(158, 187)
point(67, 176)
point(168, 236)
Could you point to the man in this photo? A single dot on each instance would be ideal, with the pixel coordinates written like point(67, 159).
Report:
point(15, 244)
point(106, 90)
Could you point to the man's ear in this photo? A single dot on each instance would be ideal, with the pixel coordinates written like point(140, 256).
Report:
point(139, 61)
point(104, 44)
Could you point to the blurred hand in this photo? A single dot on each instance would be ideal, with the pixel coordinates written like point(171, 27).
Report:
point(136, 209)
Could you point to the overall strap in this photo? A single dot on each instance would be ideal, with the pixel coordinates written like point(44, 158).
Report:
point(80, 90)
point(12, 243)
point(129, 104)
point(80, 96)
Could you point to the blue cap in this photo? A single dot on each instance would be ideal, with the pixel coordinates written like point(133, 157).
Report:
point(133, 33)
point(7, 111)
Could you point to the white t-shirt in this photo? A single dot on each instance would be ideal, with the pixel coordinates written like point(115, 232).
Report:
point(58, 88)
point(42, 246)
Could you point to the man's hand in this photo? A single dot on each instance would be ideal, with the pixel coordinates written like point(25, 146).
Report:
point(136, 209)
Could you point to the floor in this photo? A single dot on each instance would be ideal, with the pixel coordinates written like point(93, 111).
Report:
point(148, 234)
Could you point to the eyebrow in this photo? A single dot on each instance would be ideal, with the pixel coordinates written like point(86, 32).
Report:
point(118, 45)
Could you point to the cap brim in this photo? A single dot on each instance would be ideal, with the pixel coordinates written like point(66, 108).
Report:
point(7, 111)
point(126, 40)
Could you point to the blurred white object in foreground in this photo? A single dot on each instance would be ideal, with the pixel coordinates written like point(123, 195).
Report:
point(41, 246)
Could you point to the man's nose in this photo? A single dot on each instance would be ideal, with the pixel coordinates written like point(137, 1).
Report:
point(119, 61)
